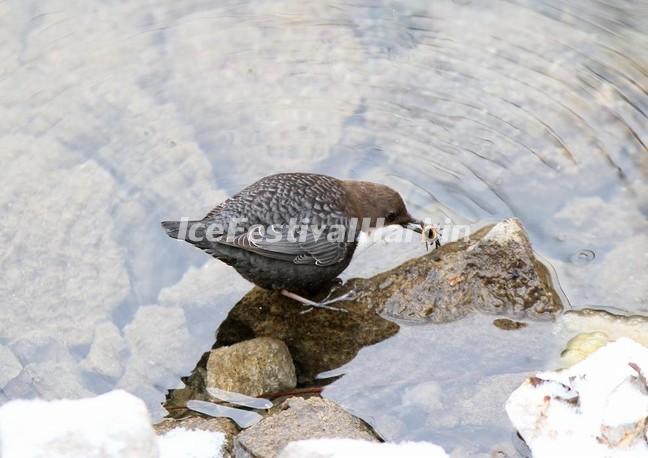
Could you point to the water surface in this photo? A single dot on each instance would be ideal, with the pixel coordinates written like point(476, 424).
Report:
point(115, 115)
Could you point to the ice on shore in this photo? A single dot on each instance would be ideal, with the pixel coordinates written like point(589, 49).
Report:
point(186, 443)
point(597, 407)
point(113, 425)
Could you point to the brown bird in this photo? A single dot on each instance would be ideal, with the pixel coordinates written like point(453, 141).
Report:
point(295, 232)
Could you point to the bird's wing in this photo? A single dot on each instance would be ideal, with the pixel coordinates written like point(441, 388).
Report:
point(309, 246)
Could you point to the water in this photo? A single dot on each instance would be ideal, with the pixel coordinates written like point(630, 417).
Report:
point(116, 115)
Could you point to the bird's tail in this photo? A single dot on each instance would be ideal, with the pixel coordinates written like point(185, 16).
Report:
point(178, 229)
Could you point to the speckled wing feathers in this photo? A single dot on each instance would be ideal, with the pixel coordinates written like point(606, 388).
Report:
point(312, 200)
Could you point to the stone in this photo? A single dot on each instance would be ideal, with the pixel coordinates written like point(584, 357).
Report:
point(107, 352)
point(587, 330)
point(222, 425)
point(493, 271)
point(10, 367)
point(317, 341)
point(297, 419)
point(253, 367)
point(161, 350)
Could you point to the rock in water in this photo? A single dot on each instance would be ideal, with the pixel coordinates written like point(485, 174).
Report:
point(597, 408)
point(254, 367)
point(494, 270)
point(297, 419)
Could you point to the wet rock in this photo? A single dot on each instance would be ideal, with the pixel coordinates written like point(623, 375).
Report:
point(318, 340)
point(581, 346)
point(587, 330)
point(297, 419)
point(222, 425)
point(254, 367)
point(508, 325)
point(598, 407)
point(161, 349)
point(106, 352)
point(9, 364)
point(493, 271)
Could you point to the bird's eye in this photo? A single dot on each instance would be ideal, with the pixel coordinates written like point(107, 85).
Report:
point(391, 216)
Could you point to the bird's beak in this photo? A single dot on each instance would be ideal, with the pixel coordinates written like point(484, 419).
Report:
point(414, 225)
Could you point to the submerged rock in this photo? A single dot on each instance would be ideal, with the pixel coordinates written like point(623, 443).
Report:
point(298, 419)
point(254, 367)
point(598, 407)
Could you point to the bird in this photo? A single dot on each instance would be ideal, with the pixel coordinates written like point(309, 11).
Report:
point(295, 232)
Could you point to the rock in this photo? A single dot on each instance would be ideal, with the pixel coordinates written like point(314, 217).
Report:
point(254, 367)
point(221, 425)
point(598, 407)
point(159, 345)
point(494, 271)
point(588, 330)
point(113, 425)
point(77, 274)
point(107, 352)
point(508, 325)
point(203, 300)
point(318, 340)
point(580, 347)
point(297, 419)
point(10, 367)
point(350, 448)
point(187, 443)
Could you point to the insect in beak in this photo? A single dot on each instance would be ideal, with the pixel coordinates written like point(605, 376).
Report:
point(429, 233)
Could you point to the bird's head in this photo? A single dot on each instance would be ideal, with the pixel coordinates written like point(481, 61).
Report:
point(381, 204)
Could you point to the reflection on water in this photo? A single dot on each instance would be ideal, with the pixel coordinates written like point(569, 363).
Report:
point(117, 115)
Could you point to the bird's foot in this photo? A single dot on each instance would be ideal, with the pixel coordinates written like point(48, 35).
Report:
point(323, 304)
point(348, 296)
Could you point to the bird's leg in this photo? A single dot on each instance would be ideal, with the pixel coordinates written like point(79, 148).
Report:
point(308, 302)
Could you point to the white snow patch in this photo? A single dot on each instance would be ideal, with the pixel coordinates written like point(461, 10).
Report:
point(352, 448)
point(597, 407)
point(184, 443)
point(113, 425)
